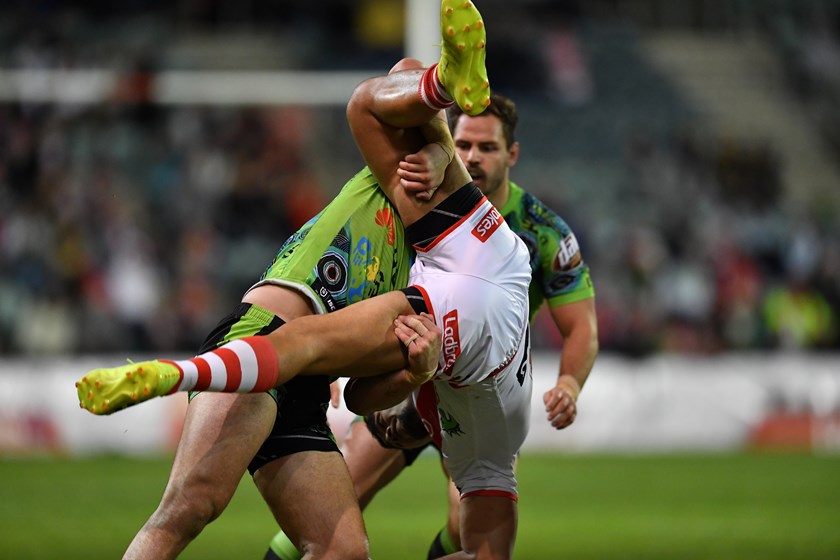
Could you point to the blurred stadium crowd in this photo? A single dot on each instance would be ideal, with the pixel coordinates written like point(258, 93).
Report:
point(126, 225)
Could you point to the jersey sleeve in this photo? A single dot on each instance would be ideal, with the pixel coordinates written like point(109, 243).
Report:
point(562, 273)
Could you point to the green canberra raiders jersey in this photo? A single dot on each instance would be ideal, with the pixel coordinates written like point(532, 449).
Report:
point(352, 250)
point(558, 272)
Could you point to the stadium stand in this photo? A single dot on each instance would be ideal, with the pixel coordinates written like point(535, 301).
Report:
point(126, 212)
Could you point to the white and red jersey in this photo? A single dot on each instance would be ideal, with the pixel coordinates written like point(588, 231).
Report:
point(474, 279)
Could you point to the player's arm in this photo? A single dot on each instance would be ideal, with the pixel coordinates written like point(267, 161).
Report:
point(422, 339)
point(366, 395)
point(578, 325)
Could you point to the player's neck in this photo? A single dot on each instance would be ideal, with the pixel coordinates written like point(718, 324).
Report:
point(499, 197)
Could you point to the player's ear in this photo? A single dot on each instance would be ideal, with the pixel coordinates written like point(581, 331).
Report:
point(513, 154)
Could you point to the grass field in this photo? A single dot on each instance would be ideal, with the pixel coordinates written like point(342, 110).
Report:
point(668, 507)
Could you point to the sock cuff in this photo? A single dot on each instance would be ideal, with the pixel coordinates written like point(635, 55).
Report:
point(282, 548)
point(431, 90)
point(446, 541)
point(267, 362)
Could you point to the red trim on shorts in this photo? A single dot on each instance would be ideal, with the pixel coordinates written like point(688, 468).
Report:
point(425, 401)
point(492, 494)
point(449, 230)
point(232, 367)
point(204, 375)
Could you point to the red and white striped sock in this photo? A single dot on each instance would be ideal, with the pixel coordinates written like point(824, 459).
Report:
point(431, 90)
point(245, 365)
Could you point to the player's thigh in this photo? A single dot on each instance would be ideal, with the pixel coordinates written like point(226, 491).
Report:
point(488, 526)
point(221, 434)
point(371, 466)
point(393, 100)
point(356, 341)
point(312, 499)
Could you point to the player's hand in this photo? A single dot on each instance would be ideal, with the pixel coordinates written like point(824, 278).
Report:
point(561, 402)
point(335, 394)
point(422, 339)
point(421, 173)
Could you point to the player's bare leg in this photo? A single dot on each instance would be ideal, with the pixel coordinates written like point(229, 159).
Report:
point(488, 528)
point(221, 434)
point(453, 515)
point(311, 345)
point(312, 499)
point(372, 467)
point(395, 115)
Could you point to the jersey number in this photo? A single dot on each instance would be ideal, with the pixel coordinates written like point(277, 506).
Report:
point(523, 366)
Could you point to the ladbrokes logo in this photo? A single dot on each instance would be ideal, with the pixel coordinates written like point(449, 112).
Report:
point(488, 224)
point(451, 341)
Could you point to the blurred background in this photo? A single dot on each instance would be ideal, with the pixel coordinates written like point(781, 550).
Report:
point(155, 154)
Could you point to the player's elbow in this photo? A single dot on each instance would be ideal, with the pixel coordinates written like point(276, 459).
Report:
point(357, 399)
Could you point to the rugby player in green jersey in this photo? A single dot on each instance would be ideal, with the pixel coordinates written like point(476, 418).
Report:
point(487, 145)
point(353, 250)
point(223, 436)
point(470, 278)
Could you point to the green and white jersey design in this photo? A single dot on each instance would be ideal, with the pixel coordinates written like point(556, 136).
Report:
point(355, 249)
point(558, 273)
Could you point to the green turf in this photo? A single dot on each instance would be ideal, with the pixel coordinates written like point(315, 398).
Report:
point(750, 506)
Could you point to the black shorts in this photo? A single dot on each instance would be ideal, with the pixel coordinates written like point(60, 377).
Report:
point(301, 422)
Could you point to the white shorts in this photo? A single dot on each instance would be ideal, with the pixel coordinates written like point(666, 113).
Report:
point(483, 426)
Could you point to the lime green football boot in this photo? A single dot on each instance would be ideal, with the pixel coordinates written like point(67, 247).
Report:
point(107, 390)
point(461, 68)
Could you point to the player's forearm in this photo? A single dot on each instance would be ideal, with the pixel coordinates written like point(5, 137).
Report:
point(579, 352)
point(366, 395)
point(437, 132)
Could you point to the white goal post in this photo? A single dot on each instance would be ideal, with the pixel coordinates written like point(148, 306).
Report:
point(208, 87)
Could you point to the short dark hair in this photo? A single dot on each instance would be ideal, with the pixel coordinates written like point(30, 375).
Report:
point(502, 108)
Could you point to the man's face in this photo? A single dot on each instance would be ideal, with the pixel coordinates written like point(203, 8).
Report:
point(481, 145)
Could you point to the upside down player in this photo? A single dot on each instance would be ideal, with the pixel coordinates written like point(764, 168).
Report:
point(471, 274)
point(487, 146)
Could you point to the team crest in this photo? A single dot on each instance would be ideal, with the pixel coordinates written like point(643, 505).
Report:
point(449, 424)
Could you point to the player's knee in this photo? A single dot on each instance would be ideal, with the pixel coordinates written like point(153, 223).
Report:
point(192, 509)
point(406, 64)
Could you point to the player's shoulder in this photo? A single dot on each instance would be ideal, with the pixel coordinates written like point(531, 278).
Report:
point(536, 212)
